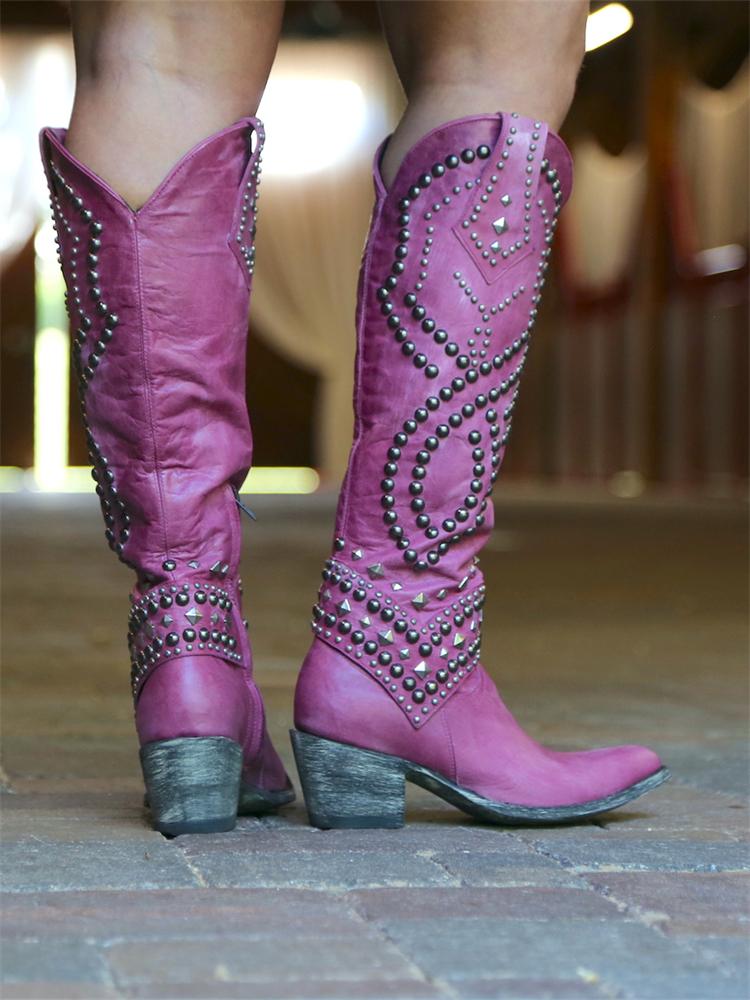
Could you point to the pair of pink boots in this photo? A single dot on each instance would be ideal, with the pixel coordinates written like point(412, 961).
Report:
point(392, 688)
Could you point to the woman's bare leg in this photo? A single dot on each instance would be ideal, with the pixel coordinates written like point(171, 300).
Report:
point(153, 78)
point(460, 57)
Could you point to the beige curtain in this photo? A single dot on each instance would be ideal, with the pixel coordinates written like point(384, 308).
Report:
point(604, 213)
point(312, 222)
point(712, 152)
point(36, 88)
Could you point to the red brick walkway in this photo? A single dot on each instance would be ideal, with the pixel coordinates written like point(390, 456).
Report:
point(605, 624)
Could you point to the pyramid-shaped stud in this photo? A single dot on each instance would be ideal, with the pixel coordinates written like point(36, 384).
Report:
point(326, 595)
point(463, 583)
point(376, 571)
point(193, 616)
point(422, 670)
point(194, 564)
point(442, 594)
point(343, 607)
point(396, 587)
point(500, 225)
point(505, 200)
point(459, 640)
point(404, 654)
point(386, 637)
point(216, 568)
point(357, 554)
point(225, 569)
point(167, 620)
point(443, 653)
point(215, 618)
point(419, 601)
point(495, 247)
point(365, 622)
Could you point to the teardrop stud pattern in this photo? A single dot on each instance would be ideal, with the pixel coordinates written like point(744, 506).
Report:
point(471, 378)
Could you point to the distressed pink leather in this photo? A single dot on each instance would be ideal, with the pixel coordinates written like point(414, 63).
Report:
point(158, 300)
point(449, 288)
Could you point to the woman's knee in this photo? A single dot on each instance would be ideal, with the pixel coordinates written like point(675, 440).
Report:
point(497, 49)
point(214, 48)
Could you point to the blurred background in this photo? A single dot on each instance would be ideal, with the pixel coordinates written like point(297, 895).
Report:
point(639, 380)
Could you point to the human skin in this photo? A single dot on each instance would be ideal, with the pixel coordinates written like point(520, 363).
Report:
point(467, 57)
point(154, 78)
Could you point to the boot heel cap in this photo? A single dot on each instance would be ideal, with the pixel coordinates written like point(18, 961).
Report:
point(375, 822)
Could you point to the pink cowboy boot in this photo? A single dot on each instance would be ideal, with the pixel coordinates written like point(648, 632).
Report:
point(158, 302)
point(393, 688)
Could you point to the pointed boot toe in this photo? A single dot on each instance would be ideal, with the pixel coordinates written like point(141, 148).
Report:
point(627, 767)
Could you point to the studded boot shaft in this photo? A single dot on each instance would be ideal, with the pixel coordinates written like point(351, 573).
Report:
point(158, 301)
point(452, 279)
point(450, 285)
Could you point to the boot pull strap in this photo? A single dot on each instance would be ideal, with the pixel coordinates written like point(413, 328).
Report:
point(496, 230)
point(240, 504)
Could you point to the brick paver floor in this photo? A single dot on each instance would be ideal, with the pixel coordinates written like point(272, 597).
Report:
point(605, 623)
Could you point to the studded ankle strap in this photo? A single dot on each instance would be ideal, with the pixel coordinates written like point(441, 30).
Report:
point(195, 618)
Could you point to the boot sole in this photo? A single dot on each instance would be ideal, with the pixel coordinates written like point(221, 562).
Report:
point(194, 785)
point(347, 787)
